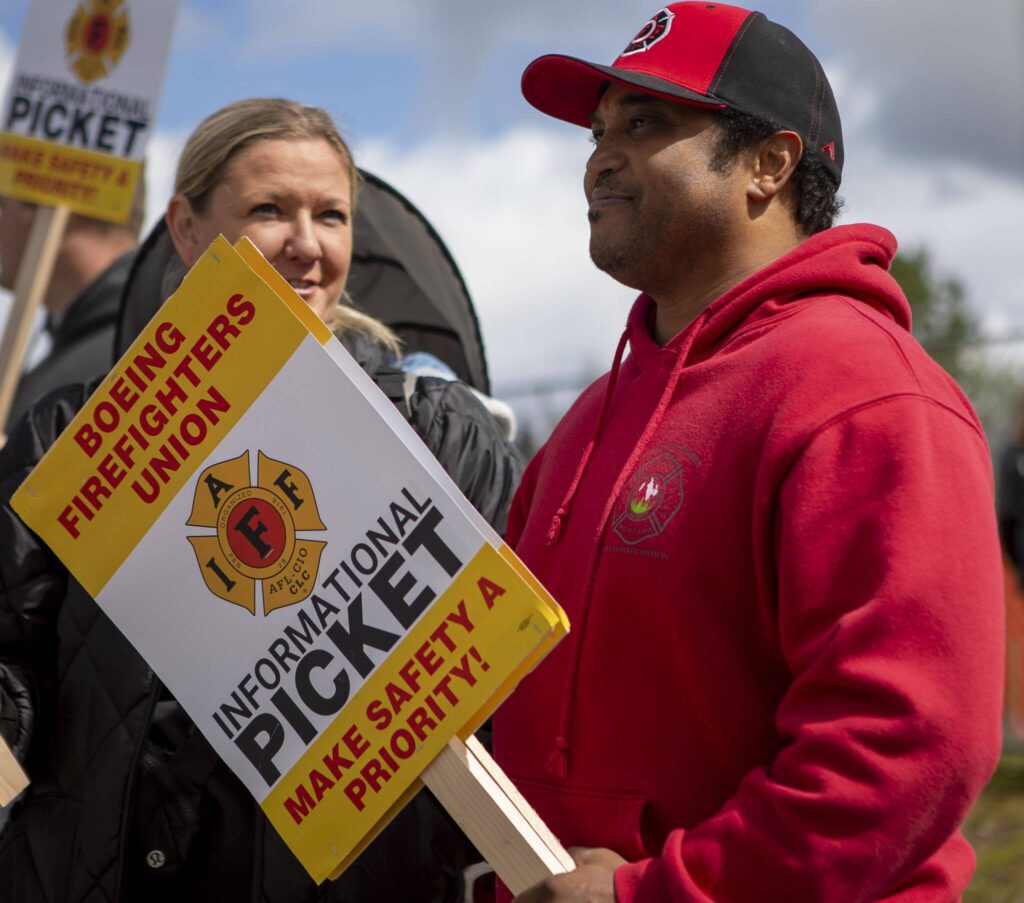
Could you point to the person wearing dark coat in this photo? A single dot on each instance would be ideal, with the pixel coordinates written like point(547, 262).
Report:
point(82, 299)
point(82, 341)
point(128, 801)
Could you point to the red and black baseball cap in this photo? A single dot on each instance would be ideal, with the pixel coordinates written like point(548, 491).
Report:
point(707, 55)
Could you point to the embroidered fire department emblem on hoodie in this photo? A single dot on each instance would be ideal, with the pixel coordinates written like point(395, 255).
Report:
point(651, 499)
point(256, 541)
point(96, 37)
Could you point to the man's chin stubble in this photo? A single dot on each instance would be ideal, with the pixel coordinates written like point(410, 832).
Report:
point(617, 262)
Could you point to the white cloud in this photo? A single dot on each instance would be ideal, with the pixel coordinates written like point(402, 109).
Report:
point(511, 210)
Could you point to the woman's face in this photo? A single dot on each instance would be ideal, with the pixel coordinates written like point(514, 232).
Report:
point(293, 199)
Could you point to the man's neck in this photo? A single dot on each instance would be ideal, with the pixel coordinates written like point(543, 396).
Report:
point(681, 303)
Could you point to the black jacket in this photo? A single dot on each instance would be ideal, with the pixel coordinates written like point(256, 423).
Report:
point(77, 703)
point(83, 339)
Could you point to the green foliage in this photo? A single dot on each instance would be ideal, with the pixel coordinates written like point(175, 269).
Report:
point(995, 829)
point(950, 331)
point(943, 321)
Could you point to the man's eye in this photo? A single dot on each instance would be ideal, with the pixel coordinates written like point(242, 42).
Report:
point(595, 136)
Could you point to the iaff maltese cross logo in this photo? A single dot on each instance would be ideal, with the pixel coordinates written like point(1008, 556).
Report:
point(256, 539)
point(95, 38)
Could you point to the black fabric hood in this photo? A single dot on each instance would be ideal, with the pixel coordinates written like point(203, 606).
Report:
point(401, 273)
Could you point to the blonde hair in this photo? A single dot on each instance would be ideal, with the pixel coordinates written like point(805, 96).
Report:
point(218, 138)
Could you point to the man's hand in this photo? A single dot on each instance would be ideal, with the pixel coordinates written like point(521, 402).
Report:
point(592, 882)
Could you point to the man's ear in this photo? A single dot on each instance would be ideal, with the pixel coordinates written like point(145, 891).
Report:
point(183, 225)
point(773, 165)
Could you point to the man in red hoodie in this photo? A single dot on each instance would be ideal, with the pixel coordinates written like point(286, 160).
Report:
point(771, 524)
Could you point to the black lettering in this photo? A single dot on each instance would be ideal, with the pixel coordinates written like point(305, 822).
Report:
point(393, 595)
point(424, 535)
point(313, 698)
point(419, 506)
point(133, 127)
point(253, 534)
point(260, 741)
point(107, 133)
point(19, 110)
point(79, 121)
point(352, 642)
point(48, 129)
point(295, 716)
point(216, 487)
point(289, 489)
point(213, 566)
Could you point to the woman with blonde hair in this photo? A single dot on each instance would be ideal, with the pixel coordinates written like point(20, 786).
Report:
point(128, 801)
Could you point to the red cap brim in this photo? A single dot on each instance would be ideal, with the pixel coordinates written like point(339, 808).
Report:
point(569, 88)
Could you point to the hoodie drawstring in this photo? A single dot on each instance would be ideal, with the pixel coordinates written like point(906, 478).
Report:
point(555, 529)
point(557, 764)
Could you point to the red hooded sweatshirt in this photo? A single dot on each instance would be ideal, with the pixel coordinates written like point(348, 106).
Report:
point(775, 539)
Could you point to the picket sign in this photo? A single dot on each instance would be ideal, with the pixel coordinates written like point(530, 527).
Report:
point(63, 146)
point(270, 533)
point(33, 279)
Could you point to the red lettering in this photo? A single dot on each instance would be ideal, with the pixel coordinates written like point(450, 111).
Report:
point(220, 329)
point(241, 309)
point(489, 591)
point(430, 660)
point(108, 469)
point(355, 791)
point(299, 807)
point(421, 723)
point(379, 715)
point(336, 763)
point(69, 521)
point(355, 742)
point(123, 395)
point(321, 783)
point(374, 775)
point(88, 439)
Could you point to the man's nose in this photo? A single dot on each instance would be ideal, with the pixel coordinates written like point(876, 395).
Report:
point(606, 157)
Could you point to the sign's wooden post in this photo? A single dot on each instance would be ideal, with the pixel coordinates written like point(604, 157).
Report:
point(32, 281)
point(494, 815)
point(12, 776)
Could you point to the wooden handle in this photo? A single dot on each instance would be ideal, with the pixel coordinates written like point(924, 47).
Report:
point(494, 815)
point(12, 776)
point(30, 287)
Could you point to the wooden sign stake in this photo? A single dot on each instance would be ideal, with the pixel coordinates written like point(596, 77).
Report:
point(12, 776)
point(494, 815)
point(30, 287)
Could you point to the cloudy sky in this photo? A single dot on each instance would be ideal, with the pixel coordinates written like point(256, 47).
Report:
point(931, 93)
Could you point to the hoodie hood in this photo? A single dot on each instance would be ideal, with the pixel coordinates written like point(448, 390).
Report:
point(852, 261)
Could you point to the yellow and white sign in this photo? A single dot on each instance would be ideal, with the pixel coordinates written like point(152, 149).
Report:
point(270, 533)
point(82, 102)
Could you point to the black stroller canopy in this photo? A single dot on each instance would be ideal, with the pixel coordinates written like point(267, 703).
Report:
point(401, 273)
